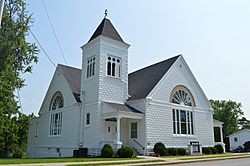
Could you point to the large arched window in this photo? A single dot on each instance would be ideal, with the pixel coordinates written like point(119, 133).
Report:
point(56, 114)
point(182, 116)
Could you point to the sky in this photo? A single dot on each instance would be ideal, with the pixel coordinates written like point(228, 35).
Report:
point(212, 35)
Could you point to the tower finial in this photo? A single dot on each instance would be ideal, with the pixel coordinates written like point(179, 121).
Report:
point(105, 13)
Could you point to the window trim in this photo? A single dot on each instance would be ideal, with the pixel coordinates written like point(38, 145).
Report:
point(87, 119)
point(90, 67)
point(177, 128)
point(56, 123)
point(134, 130)
point(113, 70)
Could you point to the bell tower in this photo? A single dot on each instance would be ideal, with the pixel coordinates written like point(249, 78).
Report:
point(105, 65)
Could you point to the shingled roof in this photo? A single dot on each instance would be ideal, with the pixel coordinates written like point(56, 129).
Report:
point(106, 29)
point(73, 76)
point(141, 82)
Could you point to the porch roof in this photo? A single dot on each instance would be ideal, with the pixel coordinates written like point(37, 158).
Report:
point(122, 110)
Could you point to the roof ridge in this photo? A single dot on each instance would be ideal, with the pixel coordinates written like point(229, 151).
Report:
point(155, 64)
point(59, 64)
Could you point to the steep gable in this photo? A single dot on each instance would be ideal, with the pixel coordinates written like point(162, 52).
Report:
point(141, 82)
point(66, 80)
point(179, 75)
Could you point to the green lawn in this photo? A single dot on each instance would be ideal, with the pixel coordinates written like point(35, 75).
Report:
point(212, 156)
point(59, 160)
point(117, 163)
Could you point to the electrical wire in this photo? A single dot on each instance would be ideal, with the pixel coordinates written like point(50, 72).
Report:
point(46, 54)
point(53, 30)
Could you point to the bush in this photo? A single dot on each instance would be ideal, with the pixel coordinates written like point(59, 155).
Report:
point(159, 149)
point(206, 150)
point(125, 152)
point(18, 153)
point(247, 146)
point(219, 149)
point(181, 151)
point(213, 150)
point(171, 151)
point(107, 151)
point(240, 149)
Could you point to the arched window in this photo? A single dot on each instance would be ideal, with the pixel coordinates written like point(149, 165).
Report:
point(182, 117)
point(56, 114)
point(91, 67)
point(113, 67)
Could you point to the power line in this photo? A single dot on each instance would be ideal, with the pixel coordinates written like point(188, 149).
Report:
point(57, 41)
point(51, 59)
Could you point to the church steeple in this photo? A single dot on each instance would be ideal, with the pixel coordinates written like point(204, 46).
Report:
point(106, 29)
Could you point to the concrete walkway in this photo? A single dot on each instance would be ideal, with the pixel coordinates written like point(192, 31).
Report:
point(165, 161)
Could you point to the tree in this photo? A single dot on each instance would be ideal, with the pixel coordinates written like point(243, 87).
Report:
point(244, 123)
point(230, 113)
point(16, 57)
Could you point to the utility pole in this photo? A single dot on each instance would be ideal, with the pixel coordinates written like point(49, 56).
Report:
point(1, 10)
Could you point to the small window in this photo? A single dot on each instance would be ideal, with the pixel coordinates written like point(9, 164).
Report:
point(235, 139)
point(114, 67)
point(134, 130)
point(57, 150)
point(87, 118)
point(91, 67)
point(109, 129)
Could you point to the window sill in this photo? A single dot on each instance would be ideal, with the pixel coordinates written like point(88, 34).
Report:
point(54, 136)
point(183, 136)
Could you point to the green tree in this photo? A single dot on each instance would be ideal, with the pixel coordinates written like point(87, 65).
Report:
point(244, 123)
point(230, 113)
point(16, 58)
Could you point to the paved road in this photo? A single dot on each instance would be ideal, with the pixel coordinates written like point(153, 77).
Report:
point(231, 162)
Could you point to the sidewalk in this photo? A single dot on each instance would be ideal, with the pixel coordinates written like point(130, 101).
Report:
point(165, 161)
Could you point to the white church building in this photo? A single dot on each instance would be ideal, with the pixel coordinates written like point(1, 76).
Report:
point(104, 104)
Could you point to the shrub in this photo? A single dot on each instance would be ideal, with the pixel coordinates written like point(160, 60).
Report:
point(219, 149)
point(213, 150)
point(247, 146)
point(159, 149)
point(18, 153)
point(206, 150)
point(181, 151)
point(172, 151)
point(125, 152)
point(240, 149)
point(107, 151)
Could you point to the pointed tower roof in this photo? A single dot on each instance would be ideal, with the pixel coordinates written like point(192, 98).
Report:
point(106, 29)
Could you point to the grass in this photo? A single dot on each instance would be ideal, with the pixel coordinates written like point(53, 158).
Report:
point(207, 156)
point(118, 163)
point(58, 160)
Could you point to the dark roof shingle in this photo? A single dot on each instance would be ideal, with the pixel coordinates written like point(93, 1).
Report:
point(141, 82)
point(106, 29)
point(123, 107)
point(73, 76)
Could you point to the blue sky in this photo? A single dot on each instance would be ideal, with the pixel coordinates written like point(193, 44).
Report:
point(213, 36)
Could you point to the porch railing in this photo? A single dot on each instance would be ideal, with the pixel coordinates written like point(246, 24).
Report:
point(139, 144)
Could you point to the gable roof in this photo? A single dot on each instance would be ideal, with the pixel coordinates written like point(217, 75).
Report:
point(106, 29)
point(73, 76)
point(240, 131)
point(141, 82)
